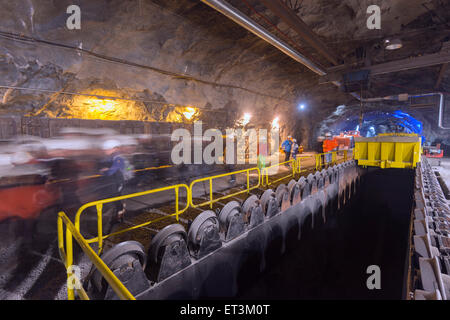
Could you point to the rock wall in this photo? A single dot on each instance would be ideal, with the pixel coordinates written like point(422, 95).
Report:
point(140, 50)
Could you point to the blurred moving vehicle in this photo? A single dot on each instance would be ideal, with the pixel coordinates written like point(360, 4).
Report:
point(38, 173)
point(23, 179)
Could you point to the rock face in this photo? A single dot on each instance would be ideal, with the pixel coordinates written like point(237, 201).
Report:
point(159, 60)
point(142, 51)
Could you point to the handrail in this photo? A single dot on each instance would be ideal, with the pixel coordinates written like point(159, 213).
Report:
point(66, 253)
point(211, 201)
point(265, 174)
point(296, 168)
point(299, 165)
point(334, 159)
point(99, 206)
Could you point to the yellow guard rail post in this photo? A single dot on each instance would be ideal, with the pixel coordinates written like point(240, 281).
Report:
point(298, 164)
point(265, 174)
point(66, 254)
point(334, 160)
point(320, 163)
point(99, 205)
point(211, 201)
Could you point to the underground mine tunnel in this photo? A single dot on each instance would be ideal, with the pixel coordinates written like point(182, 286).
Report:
point(224, 149)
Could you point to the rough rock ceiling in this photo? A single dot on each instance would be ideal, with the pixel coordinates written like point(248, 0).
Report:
point(212, 63)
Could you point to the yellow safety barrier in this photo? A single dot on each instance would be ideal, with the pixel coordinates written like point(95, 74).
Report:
point(99, 206)
point(265, 174)
point(321, 160)
point(66, 253)
point(211, 201)
point(298, 164)
point(295, 165)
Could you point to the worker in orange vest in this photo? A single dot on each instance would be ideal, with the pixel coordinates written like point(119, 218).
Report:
point(329, 144)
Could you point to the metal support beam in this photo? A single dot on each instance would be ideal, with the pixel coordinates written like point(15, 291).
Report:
point(428, 60)
point(244, 21)
point(302, 29)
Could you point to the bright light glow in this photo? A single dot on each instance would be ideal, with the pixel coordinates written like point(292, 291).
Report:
point(97, 104)
point(101, 108)
point(101, 105)
point(246, 119)
point(189, 113)
point(183, 114)
point(302, 106)
point(275, 123)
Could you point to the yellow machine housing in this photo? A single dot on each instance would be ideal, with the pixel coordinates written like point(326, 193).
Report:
point(388, 150)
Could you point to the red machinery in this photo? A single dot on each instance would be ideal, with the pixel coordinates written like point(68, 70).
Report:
point(433, 151)
point(341, 142)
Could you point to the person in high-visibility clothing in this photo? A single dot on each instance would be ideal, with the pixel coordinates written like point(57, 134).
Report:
point(294, 149)
point(286, 147)
point(329, 144)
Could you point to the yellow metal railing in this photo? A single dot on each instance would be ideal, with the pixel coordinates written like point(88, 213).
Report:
point(265, 175)
point(295, 165)
point(321, 158)
point(66, 253)
point(211, 200)
point(99, 206)
point(73, 229)
point(298, 165)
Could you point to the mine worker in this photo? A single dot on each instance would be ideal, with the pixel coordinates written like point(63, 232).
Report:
point(294, 149)
point(116, 173)
point(286, 147)
point(329, 144)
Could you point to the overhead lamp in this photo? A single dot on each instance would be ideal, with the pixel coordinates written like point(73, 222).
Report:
point(275, 123)
point(246, 119)
point(393, 44)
